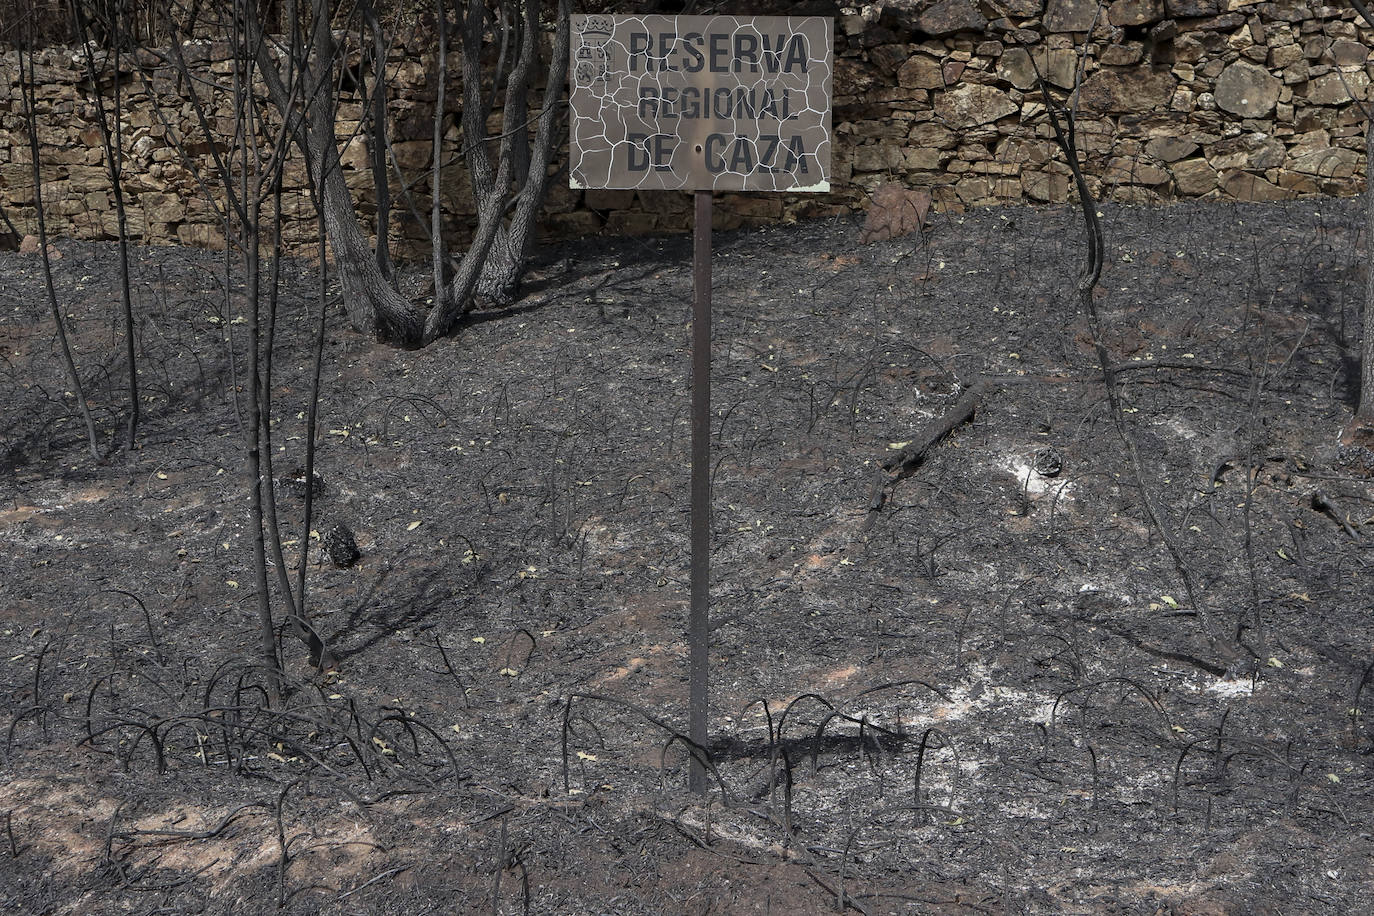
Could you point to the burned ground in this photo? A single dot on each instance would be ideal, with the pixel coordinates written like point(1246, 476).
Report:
point(993, 696)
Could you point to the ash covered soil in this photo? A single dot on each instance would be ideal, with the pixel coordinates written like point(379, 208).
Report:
point(1002, 693)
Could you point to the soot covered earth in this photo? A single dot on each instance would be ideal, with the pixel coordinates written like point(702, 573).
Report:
point(1070, 665)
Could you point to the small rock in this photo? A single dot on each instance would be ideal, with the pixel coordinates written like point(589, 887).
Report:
point(340, 546)
point(1048, 462)
point(896, 211)
point(29, 245)
point(1356, 459)
point(294, 483)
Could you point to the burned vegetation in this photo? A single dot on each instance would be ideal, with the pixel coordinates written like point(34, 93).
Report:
point(957, 665)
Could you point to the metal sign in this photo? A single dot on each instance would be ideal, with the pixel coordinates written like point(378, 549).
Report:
point(692, 103)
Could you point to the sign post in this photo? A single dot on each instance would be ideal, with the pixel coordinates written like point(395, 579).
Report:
point(701, 104)
point(699, 606)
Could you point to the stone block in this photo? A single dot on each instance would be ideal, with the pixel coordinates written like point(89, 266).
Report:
point(1058, 67)
point(1070, 15)
point(1025, 151)
point(1247, 90)
point(722, 220)
point(1192, 9)
point(1170, 149)
point(1337, 87)
point(134, 223)
point(1194, 177)
point(1347, 53)
point(1300, 144)
point(412, 155)
point(1326, 163)
point(601, 199)
point(1228, 157)
point(355, 155)
point(1188, 50)
point(635, 222)
point(932, 135)
point(920, 72)
point(200, 235)
point(1124, 54)
point(946, 17)
point(922, 159)
point(1285, 56)
point(572, 225)
point(1247, 186)
point(888, 58)
point(1298, 183)
point(1045, 187)
point(161, 207)
point(896, 211)
point(979, 191)
point(972, 104)
point(755, 207)
point(1120, 91)
point(1135, 12)
point(1134, 194)
point(876, 158)
point(1296, 72)
point(1135, 171)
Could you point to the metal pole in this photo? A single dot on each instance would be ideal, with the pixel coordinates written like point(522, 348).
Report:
point(698, 623)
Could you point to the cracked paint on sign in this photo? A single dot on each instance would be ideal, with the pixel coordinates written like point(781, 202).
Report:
point(723, 103)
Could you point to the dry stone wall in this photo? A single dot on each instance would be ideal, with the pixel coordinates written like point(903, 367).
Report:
point(1230, 99)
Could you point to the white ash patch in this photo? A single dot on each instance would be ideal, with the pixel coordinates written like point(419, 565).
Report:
point(1237, 687)
point(1178, 427)
point(1032, 482)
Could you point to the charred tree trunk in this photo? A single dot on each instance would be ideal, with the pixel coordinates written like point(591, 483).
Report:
point(28, 86)
point(509, 187)
point(505, 262)
point(1361, 427)
point(438, 256)
point(380, 144)
point(374, 306)
point(113, 144)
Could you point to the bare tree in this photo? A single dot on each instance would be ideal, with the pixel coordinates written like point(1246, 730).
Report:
point(27, 89)
point(509, 182)
point(1063, 124)
point(110, 21)
point(1361, 427)
point(249, 173)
